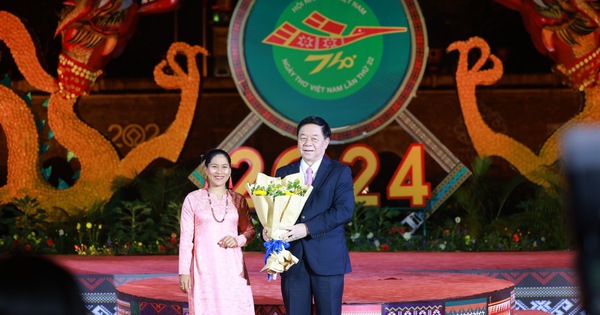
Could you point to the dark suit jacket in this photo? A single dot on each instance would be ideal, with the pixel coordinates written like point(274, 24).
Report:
point(328, 208)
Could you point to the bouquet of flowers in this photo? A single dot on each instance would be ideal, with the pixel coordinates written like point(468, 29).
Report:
point(278, 202)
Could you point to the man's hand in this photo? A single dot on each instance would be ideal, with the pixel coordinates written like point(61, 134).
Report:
point(294, 232)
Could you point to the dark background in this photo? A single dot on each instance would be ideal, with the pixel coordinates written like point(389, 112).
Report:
point(446, 22)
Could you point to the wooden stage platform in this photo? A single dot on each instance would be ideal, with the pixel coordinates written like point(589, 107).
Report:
point(408, 283)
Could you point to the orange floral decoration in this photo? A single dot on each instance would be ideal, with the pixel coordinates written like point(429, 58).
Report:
point(486, 141)
point(566, 31)
point(100, 163)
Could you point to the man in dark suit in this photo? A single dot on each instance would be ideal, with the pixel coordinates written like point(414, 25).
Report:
point(317, 239)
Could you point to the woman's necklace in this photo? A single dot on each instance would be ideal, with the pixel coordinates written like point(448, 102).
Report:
point(213, 210)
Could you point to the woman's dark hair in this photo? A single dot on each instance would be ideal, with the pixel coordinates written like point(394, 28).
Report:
point(317, 121)
point(214, 152)
point(37, 285)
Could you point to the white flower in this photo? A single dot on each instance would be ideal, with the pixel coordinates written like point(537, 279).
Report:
point(370, 235)
point(407, 236)
point(61, 232)
point(457, 220)
point(354, 236)
point(443, 246)
point(376, 243)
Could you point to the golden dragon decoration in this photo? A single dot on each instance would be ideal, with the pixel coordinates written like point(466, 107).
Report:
point(568, 32)
point(92, 32)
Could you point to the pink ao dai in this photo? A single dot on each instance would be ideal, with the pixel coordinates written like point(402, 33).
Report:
point(217, 274)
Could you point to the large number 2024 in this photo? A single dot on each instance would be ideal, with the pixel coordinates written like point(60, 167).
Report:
point(408, 181)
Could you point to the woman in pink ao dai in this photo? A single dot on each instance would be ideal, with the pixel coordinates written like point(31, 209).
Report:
point(215, 224)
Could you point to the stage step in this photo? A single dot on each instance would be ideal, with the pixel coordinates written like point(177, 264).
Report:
point(415, 293)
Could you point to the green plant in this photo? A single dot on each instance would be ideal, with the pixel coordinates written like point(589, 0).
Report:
point(23, 227)
point(370, 227)
point(546, 215)
point(132, 220)
point(147, 211)
point(483, 198)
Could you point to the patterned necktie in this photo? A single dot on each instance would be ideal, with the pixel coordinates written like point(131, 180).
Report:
point(309, 178)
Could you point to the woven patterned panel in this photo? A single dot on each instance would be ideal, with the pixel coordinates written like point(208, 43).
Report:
point(418, 308)
point(466, 307)
point(500, 308)
point(269, 310)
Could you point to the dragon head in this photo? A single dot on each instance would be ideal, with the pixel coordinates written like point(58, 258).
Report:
point(567, 31)
point(93, 32)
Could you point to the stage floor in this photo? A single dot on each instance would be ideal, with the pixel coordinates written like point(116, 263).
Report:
point(544, 281)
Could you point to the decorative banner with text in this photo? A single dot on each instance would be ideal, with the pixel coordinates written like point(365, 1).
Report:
point(355, 63)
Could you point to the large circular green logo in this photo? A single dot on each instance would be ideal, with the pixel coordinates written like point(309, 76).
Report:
point(355, 63)
point(327, 59)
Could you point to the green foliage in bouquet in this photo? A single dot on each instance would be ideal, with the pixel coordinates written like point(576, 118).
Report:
point(277, 189)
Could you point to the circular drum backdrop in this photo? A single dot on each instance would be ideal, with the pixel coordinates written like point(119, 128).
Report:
point(356, 63)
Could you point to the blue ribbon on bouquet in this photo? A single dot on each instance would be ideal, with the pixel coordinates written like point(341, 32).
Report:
point(274, 246)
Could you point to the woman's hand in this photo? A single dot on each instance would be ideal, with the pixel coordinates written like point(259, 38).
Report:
point(185, 283)
point(228, 242)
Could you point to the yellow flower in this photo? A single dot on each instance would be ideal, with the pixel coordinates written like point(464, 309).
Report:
point(260, 192)
point(140, 244)
point(78, 226)
point(276, 188)
point(88, 225)
point(99, 226)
